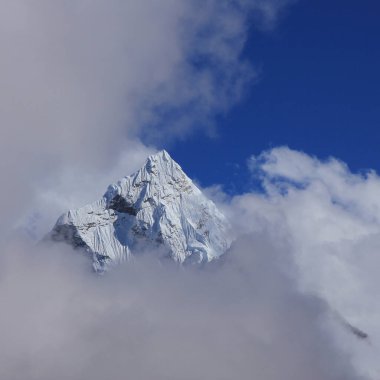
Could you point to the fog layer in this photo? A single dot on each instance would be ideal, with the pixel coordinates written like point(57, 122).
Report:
point(241, 319)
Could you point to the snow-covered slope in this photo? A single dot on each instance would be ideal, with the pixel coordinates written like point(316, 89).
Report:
point(158, 205)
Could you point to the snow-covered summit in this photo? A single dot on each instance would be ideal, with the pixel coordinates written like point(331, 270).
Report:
point(157, 205)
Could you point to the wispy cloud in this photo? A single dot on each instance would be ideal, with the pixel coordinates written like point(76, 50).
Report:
point(81, 82)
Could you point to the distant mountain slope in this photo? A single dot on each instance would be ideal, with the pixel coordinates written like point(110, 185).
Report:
point(158, 205)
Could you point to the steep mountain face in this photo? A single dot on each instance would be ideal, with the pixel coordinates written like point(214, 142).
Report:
point(157, 206)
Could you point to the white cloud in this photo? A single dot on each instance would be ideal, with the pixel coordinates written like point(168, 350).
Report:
point(330, 218)
point(79, 81)
point(242, 319)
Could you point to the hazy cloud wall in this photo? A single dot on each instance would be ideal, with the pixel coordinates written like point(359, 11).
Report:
point(244, 319)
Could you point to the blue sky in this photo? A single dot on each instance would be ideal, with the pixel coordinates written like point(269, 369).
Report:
point(318, 91)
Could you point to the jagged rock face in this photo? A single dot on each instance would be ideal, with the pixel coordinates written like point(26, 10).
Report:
point(158, 205)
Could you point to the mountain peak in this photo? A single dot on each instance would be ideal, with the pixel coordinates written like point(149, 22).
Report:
point(160, 162)
point(160, 155)
point(158, 206)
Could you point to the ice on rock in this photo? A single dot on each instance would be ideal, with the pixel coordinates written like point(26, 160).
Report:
point(158, 205)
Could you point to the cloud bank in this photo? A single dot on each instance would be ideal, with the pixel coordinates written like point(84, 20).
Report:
point(145, 320)
point(330, 218)
point(280, 304)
